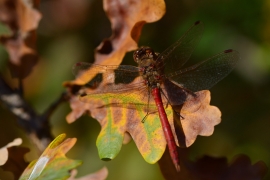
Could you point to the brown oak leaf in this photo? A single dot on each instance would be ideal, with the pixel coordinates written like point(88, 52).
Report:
point(22, 19)
point(198, 117)
point(127, 19)
point(53, 163)
point(4, 150)
point(12, 158)
point(212, 168)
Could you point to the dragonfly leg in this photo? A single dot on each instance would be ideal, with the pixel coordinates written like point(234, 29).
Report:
point(178, 114)
point(144, 118)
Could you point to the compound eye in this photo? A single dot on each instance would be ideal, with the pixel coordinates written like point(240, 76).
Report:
point(136, 56)
point(148, 51)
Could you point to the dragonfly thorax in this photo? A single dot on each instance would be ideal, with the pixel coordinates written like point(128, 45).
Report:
point(146, 59)
point(151, 76)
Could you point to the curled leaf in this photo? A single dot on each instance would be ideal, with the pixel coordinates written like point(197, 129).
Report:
point(216, 168)
point(22, 19)
point(53, 163)
point(16, 162)
point(4, 150)
point(199, 118)
point(12, 157)
point(219, 168)
point(127, 19)
point(242, 168)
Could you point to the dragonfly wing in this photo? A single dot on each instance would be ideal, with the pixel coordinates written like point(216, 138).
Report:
point(177, 54)
point(206, 74)
point(119, 86)
point(135, 98)
point(93, 75)
point(174, 94)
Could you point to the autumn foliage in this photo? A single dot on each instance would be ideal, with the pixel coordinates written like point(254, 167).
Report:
point(119, 124)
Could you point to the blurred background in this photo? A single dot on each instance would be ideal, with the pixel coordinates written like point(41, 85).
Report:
point(69, 32)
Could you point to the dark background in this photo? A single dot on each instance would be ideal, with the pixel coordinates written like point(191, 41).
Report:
point(70, 31)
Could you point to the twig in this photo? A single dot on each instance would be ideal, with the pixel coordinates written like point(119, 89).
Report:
point(36, 126)
point(21, 91)
point(63, 97)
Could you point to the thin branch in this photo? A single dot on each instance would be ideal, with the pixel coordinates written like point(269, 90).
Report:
point(21, 91)
point(36, 126)
point(63, 97)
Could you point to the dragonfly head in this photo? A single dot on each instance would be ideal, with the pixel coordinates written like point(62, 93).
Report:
point(144, 56)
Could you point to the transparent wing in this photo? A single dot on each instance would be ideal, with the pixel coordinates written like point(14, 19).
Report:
point(175, 94)
point(174, 57)
point(138, 98)
point(206, 74)
point(94, 75)
point(116, 86)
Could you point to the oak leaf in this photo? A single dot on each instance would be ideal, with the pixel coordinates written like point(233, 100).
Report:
point(16, 162)
point(12, 158)
point(197, 118)
point(212, 168)
point(22, 19)
point(4, 150)
point(117, 121)
point(127, 19)
point(53, 164)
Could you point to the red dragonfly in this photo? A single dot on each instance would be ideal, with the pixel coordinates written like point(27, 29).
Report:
point(159, 79)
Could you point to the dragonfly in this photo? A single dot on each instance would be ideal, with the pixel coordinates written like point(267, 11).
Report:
point(159, 79)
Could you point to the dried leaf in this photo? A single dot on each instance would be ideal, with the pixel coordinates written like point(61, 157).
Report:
point(199, 118)
point(116, 121)
point(4, 150)
point(99, 175)
point(242, 168)
point(16, 163)
point(127, 19)
point(21, 17)
point(212, 168)
point(53, 163)
point(218, 168)
point(12, 157)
